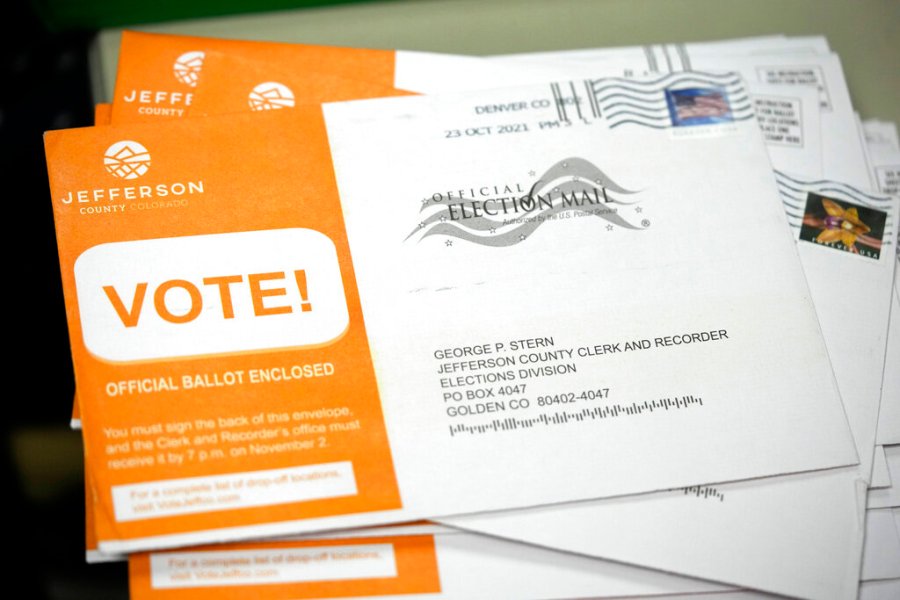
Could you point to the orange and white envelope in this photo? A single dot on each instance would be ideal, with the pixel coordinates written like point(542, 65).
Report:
point(157, 74)
point(456, 566)
point(231, 389)
point(234, 84)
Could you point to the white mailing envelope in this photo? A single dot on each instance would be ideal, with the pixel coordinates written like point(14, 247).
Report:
point(883, 154)
point(841, 487)
point(848, 524)
point(454, 160)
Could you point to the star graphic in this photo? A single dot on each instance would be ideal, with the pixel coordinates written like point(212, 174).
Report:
point(565, 165)
point(638, 209)
point(522, 238)
point(576, 178)
point(609, 227)
point(421, 224)
point(424, 201)
point(493, 230)
point(448, 243)
point(556, 189)
point(443, 218)
point(531, 173)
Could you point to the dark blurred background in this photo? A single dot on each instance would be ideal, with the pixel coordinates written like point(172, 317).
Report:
point(45, 85)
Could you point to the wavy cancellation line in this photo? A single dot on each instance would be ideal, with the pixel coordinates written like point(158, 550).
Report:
point(818, 185)
point(654, 126)
point(649, 97)
point(694, 77)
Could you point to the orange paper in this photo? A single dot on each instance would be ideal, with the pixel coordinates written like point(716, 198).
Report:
point(158, 74)
point(260, 427)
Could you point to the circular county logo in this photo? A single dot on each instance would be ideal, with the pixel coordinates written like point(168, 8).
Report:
point(270, 95)
point(187, 67)
point(127, 159)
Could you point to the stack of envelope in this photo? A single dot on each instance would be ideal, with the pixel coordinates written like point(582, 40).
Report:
point(612, 322)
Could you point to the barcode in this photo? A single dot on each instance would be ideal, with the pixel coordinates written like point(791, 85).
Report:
point(610, 411)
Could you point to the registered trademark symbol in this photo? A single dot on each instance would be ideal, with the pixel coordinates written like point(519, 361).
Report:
point(645, 223)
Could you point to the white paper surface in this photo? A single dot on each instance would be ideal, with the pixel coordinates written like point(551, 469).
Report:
point(889, 417)
point(880, 590)
point(881, 552)
point(883, 155)
point(881, 476)
point(888, 497)
point(790, 118)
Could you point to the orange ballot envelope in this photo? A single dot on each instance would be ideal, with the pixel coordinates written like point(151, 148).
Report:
point(157, 74)
point(451, 566)
point(458, 330)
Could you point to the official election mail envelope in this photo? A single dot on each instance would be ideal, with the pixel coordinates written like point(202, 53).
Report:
point(837, 521)
point(856, 341)
point(860, 375)
point(230, 389)
point(814, 568)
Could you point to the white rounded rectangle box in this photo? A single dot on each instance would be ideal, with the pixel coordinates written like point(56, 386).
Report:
point(187, 495)
point(210, 294)
point(177, 570)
